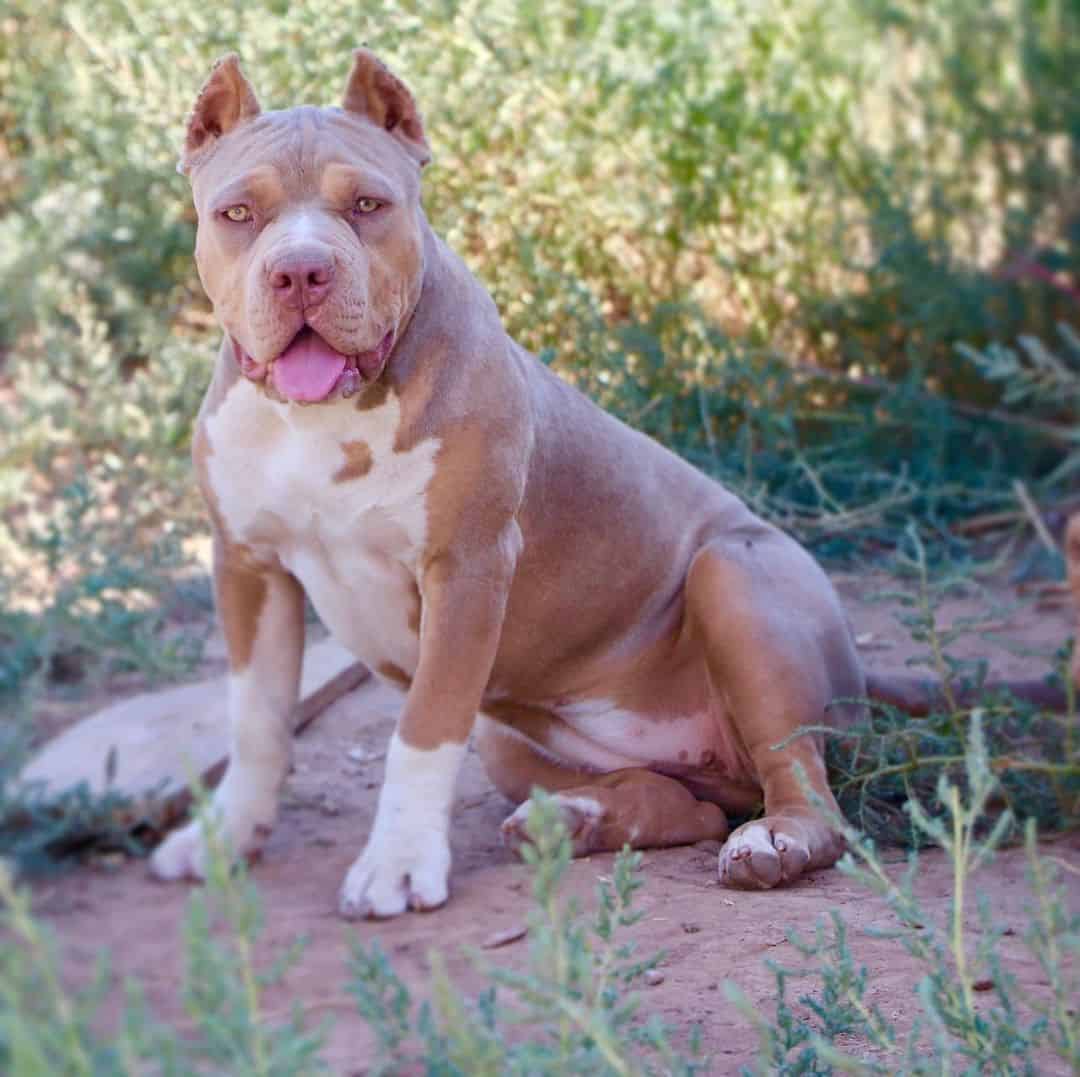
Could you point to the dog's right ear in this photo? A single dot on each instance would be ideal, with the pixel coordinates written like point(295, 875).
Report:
point(225, 101)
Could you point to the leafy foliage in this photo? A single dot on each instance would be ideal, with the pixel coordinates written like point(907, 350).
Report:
point(756, 230)
point(1012, 1033)
point(572, 1001)
point(826, 250)
point(40, 829)
point(888, 760)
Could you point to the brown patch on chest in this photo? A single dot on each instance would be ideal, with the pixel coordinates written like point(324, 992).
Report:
point(358, 461)
point(374, 396)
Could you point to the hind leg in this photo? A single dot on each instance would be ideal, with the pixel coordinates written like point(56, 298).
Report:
point(778, 652)
point(602, 812)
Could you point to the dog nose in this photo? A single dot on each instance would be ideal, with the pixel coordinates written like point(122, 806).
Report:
point(301, 279)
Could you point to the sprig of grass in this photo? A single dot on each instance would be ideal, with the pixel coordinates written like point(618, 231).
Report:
point(569, 1011)
point(964, 1035)
point(41, 829)
point(224, 984)
point(887, 758)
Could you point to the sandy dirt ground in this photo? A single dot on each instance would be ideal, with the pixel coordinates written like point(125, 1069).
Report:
point(709, 934)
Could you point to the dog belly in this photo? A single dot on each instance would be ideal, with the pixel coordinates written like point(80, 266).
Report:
point(592, 730)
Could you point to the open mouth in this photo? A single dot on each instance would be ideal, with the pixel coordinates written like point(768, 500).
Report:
point(310, 369)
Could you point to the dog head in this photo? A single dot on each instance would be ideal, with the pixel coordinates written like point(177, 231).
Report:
point(310, 237)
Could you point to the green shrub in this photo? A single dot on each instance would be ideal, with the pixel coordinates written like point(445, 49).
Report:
point(757, 230)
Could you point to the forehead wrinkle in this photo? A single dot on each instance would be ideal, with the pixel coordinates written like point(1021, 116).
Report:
point(308, 150)
point(307, 132)
point(261, 183)
point(340, 156)
point(340, 179)
point(278, 142)
point(299, 144)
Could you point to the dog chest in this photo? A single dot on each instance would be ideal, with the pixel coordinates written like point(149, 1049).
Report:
point(322, 490)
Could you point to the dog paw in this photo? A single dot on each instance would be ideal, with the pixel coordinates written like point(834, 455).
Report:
point(397, 873)
point(184, 854)
point(581, 815)
point(769, 852)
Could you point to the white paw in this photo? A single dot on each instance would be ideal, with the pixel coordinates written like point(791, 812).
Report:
point(581, 816)
point(242, 829)
point(397, 872)
point(776, 849)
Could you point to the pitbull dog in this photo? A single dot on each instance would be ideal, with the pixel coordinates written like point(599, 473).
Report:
point(606, 621)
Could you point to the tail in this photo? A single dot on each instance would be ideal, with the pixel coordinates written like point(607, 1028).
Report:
point(919, 696)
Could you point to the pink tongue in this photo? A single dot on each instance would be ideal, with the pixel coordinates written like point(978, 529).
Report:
point(308, 369)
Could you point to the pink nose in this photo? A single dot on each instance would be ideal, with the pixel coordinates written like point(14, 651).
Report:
point(301, 278)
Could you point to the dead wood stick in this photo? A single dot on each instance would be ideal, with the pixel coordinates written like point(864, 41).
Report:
point(1031, 510)
point(344, 682)
point(146, 748)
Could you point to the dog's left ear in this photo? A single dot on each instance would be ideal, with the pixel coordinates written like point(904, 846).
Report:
point(374, 91)
point(225, 101)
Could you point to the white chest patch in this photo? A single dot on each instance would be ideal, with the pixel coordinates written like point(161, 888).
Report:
point(322, 489)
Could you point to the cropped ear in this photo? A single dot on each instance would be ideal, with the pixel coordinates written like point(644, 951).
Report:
point(225, 101)
point(374, 91)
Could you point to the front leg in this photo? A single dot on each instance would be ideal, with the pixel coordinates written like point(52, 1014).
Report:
point(406, 862)
point(262, 613)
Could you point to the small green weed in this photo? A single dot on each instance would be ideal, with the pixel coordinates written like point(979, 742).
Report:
point(887, 759)
point(571, 1000)
point(569, 1011)
point(45, 1027)
point(231, 1032)
point(40, 830)
point(955, 1032)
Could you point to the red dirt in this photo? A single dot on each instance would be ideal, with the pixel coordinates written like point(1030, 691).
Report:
point(710, 934)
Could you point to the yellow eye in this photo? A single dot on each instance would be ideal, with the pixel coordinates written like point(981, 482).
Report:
point(238, 214)
point(367, 205)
